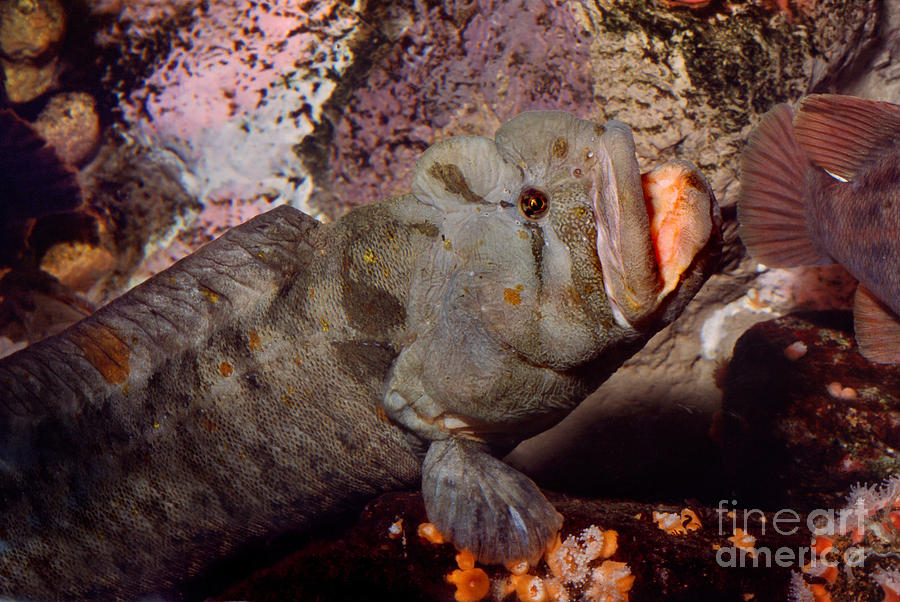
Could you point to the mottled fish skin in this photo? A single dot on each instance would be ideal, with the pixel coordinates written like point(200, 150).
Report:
point(821, 185)
point(258, 386)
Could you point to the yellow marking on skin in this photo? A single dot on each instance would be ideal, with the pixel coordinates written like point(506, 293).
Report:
point(369, 256)
point(253, 340)
point(447, 245)
point(512, 295)
point(156, 425)
point(105, 351)
point(210, 296)
point(225, 369)
point(261, 255)
point(523, 234)
point(324, 324)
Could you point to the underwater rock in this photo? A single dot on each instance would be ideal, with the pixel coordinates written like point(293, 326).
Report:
point(140, 200)
point(230, 88)
point(30, 34)
point(69, 123)
point(692, 82)
point(672, 552)
point(804, 415)
point(83, 244)
point(433, 70)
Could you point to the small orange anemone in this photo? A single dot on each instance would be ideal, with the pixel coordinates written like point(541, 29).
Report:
point(471, 584)
point(429, 532)
point(465, 560)
point(530, 588)
point(822, 545)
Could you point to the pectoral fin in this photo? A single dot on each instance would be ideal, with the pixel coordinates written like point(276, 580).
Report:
point(877, 328)
point(484, 506)
point(771, 206)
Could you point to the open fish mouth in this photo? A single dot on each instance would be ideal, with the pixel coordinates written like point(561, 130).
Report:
point(650, 226)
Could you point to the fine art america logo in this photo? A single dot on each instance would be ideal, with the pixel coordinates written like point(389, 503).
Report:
point(787, 522)
point(863, 535)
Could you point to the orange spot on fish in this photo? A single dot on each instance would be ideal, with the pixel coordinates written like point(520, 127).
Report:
point(512, 295)
point(225, 369)
point(105, 351)
point(253, 340)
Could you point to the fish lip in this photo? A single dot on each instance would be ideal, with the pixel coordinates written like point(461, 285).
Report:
point(625, 248)
point(651, 227)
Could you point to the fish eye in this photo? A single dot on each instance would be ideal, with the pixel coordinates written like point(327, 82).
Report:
point(533, 203)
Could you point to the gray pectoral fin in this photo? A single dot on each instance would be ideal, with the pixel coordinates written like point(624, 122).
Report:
point(877, 328)
point(484, 506)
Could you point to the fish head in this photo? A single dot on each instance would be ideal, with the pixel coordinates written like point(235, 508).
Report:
point(557, 250)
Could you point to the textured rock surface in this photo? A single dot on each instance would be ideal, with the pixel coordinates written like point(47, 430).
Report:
point(363, 562)
point(69, 123)
point(799, 432)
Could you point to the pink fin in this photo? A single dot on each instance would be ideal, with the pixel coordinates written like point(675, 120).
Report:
point(771, 204)
point(841, 133)
point(877, 328)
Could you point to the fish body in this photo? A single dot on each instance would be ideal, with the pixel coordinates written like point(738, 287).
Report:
point(820, 184)
point(292, 370)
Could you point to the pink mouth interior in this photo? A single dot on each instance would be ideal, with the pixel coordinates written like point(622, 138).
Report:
point(678, 227)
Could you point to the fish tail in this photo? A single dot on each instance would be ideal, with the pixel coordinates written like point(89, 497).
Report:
point(877, 328)
point(772, 204)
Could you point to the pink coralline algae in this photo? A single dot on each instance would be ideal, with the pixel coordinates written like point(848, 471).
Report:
point(454, 68)
point(231, 97)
